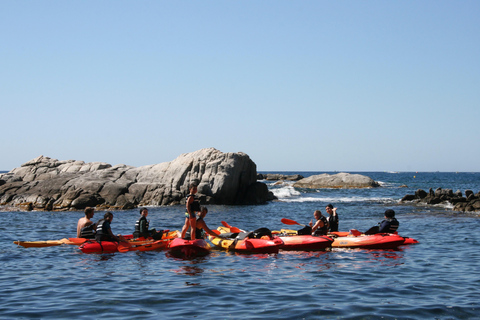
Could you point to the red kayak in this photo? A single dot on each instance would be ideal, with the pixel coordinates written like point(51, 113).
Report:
point(92, 246)
point(406, 240)
point(374, 241)
point(183, 248)
point(305, 242)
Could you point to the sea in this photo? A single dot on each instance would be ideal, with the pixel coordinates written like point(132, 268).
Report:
point(438, 278)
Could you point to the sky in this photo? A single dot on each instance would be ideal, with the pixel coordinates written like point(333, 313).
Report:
point(296, 85)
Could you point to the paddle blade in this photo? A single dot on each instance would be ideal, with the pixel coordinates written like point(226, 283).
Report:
point(225, 224)
point(290, 222)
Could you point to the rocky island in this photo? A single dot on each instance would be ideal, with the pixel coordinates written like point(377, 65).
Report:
point(52, 185)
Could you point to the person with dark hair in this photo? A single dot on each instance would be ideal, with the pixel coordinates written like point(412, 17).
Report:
point(320, 227)
point(389, 225)
point(142, 225)
point(332, 218)
point(192, 206)
point(85, 227)
point(104, 231)
point(201, 227)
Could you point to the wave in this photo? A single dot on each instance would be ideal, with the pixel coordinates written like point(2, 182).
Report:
point(339, 200)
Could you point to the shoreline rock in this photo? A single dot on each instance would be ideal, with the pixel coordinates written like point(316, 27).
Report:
point(52, 185)
point(469, 202)
point(337, 181)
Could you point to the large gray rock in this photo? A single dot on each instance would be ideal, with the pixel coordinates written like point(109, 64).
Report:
point(339, 180)
point(49, 184)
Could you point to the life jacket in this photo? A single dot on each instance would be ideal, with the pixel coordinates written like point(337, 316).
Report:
point(137, 233)
point(195, 205)
point(199, 232)
point(389, 225)
point(102, 231)
point(323, 230)
point(88, 232)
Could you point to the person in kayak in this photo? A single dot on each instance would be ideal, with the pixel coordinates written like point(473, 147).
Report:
point(332, 218)
point(201, 227)
point(142, 225)
point(192, 206)
point(320, 227)
point(85, 227)
point(389, 225)
point(104, 231)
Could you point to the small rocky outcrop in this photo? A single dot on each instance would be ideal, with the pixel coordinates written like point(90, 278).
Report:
point(339, 180)
point(278, 176)
point(469, 202)
point(49, 184)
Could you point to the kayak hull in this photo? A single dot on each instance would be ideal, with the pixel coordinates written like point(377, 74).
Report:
point(183, 248)
point(92, 246)
point(374, 241)
point(305, 243)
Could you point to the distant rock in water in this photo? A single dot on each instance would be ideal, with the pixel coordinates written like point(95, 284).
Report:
point(339, 180)
point(278, 176)
point(49, 184)
point(469, 202)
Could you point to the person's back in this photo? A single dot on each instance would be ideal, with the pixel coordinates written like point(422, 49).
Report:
point(86, 222)
point(389, 225)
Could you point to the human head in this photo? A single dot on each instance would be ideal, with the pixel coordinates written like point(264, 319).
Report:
point(329, 208)
point(193, 187)
point(203, 211)
point(317, 214)
point(89, 212)
point(390, 214)
point(144, 211)
point(108, 216)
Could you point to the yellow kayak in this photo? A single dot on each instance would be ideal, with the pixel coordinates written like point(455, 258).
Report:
point(39, 244)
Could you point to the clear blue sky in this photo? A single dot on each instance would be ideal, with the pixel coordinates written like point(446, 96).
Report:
point(297, 85)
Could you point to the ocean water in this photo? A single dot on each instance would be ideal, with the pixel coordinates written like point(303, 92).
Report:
point(439, 278)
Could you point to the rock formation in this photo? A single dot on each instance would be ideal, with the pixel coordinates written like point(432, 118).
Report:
point(339, 180)
point(469, 202)
point(50, 184)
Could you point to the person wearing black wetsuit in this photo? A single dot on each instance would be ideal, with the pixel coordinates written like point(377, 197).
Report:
point(332, 218)
point(104, 232)
point(320, 227)
point(142, 227)
point(389, 225)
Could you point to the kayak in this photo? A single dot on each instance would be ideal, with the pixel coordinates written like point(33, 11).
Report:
point(183, 248)
point(374, 241)
point(39, 244)
point(244, 242)
point(304, 242)
point(139, 244)
point(92, 246)
point(406, 240)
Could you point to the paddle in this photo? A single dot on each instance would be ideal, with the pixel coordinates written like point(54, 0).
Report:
point(291, 222)
point(233, 229)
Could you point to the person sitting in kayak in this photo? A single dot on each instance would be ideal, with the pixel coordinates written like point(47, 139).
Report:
point(104, 231)
point(332, 218)
point(192, 206)
point(201, 227)
point(320, 227)
point(85, 227)
point(389, 225)
point(142, 225)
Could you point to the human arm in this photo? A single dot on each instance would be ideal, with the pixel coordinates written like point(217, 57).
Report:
point(204, 226)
